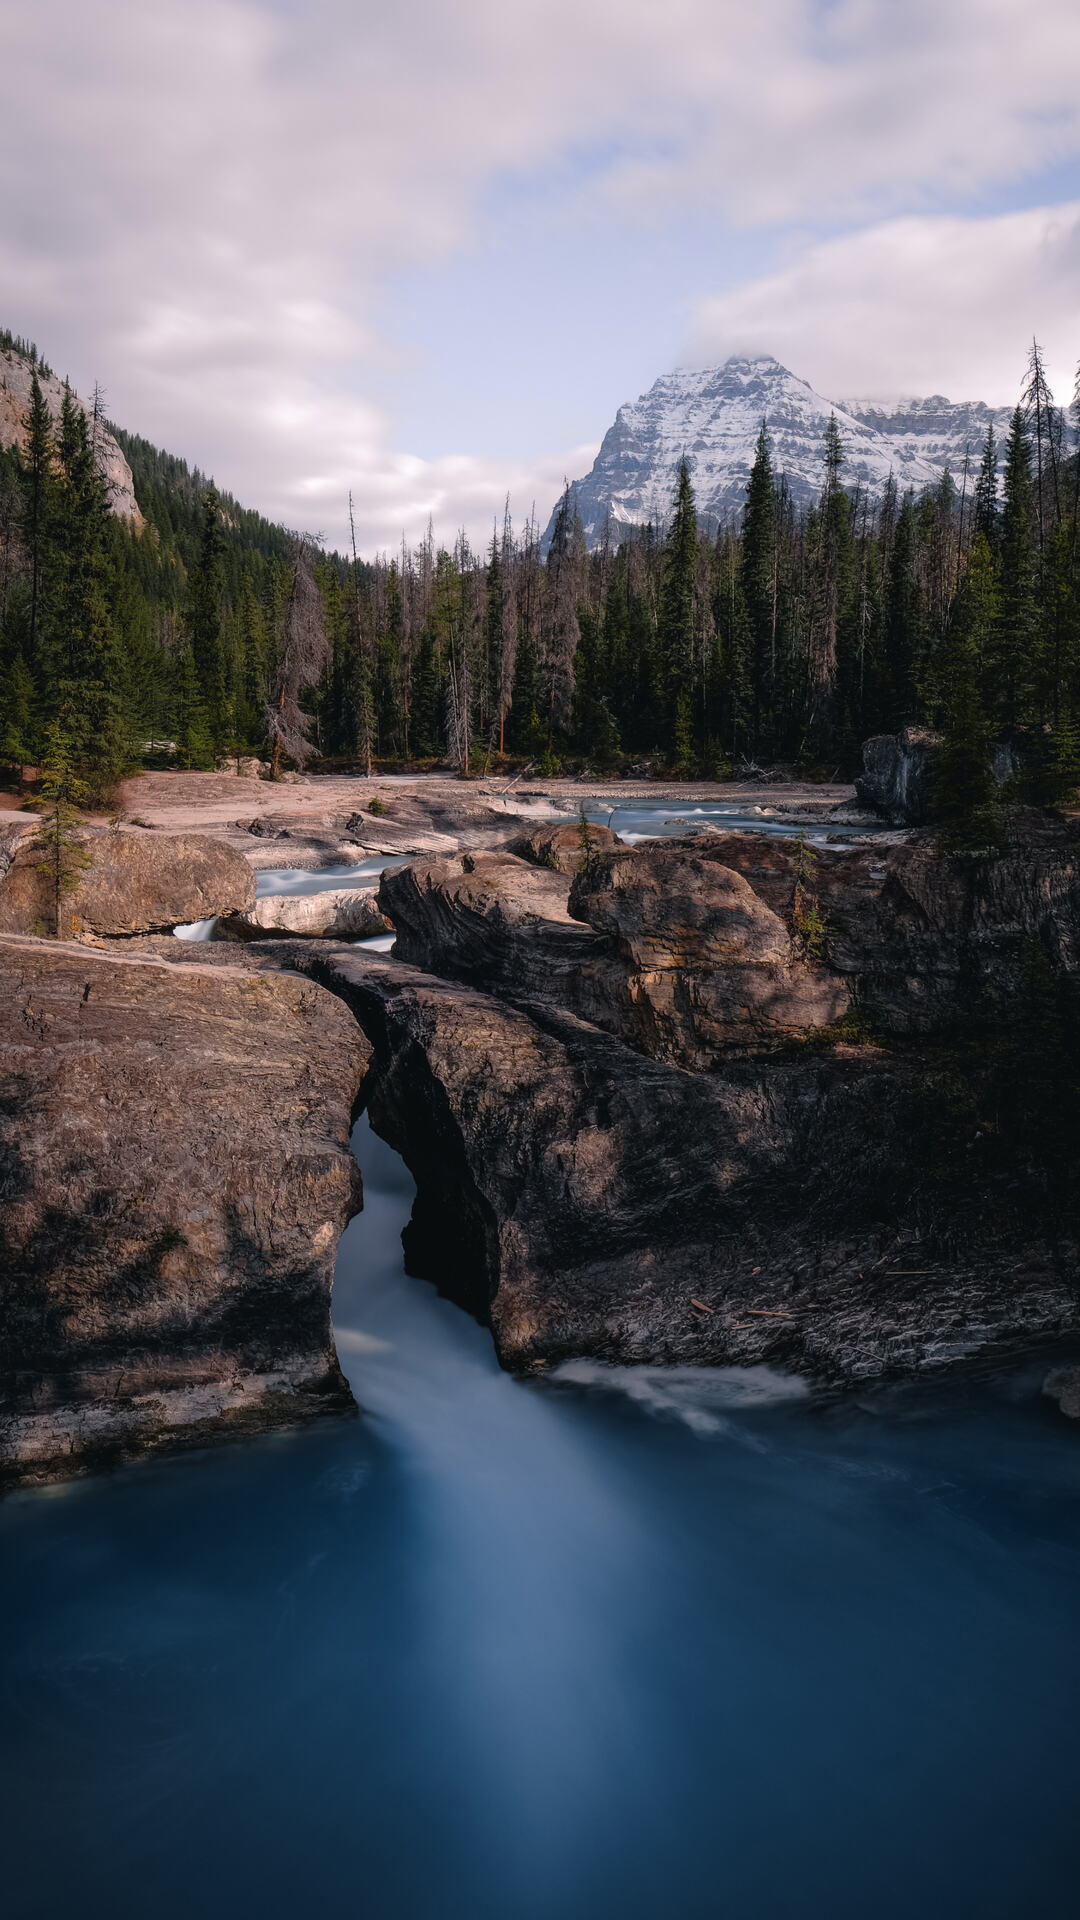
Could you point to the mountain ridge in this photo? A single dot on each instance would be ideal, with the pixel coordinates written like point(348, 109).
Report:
point(713, 416)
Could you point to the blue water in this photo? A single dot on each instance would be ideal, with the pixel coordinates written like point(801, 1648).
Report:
point(666, 819)
point(661, 1646)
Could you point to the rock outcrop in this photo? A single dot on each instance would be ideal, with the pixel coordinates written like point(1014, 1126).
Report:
point(677, 954)
point(899, 770)
point(175, 1178)
point(584, 1200)
point(565, 847)
point(16, 379)
point(689, 949)
point(134, 883)
point(341, 913)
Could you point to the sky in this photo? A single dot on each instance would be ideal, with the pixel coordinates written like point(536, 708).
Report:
point(421, 251)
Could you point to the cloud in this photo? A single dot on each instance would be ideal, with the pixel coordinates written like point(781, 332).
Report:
point(218, 194)
point(915, 306)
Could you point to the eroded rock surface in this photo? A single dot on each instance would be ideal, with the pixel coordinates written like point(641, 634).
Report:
point(691, 949)
point(134, 883)
point(583, 1199)
point(566, 847)
point(175, 1178)
point(340, 913)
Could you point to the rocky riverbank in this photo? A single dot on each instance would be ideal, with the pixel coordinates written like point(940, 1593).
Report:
point(722, 1099)
point(175, 1178)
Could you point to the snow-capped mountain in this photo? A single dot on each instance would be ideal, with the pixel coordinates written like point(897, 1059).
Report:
point(713, 417)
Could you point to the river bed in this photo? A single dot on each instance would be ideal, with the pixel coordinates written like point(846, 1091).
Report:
point(665, 1645)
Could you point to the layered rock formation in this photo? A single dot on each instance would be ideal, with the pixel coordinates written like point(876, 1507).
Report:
point(582, 1199)
point(175, 1178)
point(678, 975)
point(133, 883)
point(567, 846)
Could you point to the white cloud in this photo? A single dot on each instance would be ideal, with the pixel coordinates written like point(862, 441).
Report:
point(204, 201)
point(915, 305)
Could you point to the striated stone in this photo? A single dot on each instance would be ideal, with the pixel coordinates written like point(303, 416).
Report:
point(174, 1178)
point(135, 883)
point(341, 913)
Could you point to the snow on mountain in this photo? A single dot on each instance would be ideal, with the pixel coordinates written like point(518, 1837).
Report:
point(713, 417)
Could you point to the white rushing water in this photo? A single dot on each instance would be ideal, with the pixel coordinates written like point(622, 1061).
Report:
point(198, 929)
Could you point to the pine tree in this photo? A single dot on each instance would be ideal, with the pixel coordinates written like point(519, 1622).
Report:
point(560, 633)
point(902, 612)
point(425, 698)
point(82, 657)
point(388, 666)
point(304, 654)
point(1016, 646)
point(205, 622)
point(760, 561)
point(17, 717)
point(986, 492)
point(676, 621)
point(835, 572)
point(63, 795)
point(965, 798)
point(194, 740)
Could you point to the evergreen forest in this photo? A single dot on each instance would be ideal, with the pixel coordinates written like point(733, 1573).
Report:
point(787, 637)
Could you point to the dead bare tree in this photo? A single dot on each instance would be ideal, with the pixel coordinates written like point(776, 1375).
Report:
point(304, 653)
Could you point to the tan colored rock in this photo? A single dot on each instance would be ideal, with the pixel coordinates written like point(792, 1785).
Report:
point(561, 846)
point(16, 379)
point(341, 913)
point(175, 1178)
point(668, 948)
point(135, 883)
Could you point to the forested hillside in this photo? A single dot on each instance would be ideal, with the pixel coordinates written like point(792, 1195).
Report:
point(789, 637)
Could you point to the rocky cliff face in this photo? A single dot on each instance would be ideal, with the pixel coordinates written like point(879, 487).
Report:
point(16, 379)
point(713, 418)
point(174, 1178)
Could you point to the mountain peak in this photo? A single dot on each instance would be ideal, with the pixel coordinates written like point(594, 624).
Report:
point(712, 417)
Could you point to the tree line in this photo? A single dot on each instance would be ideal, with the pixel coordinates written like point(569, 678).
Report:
point(789, 635)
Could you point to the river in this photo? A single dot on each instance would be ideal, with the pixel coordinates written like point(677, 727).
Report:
point(659, 1645)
